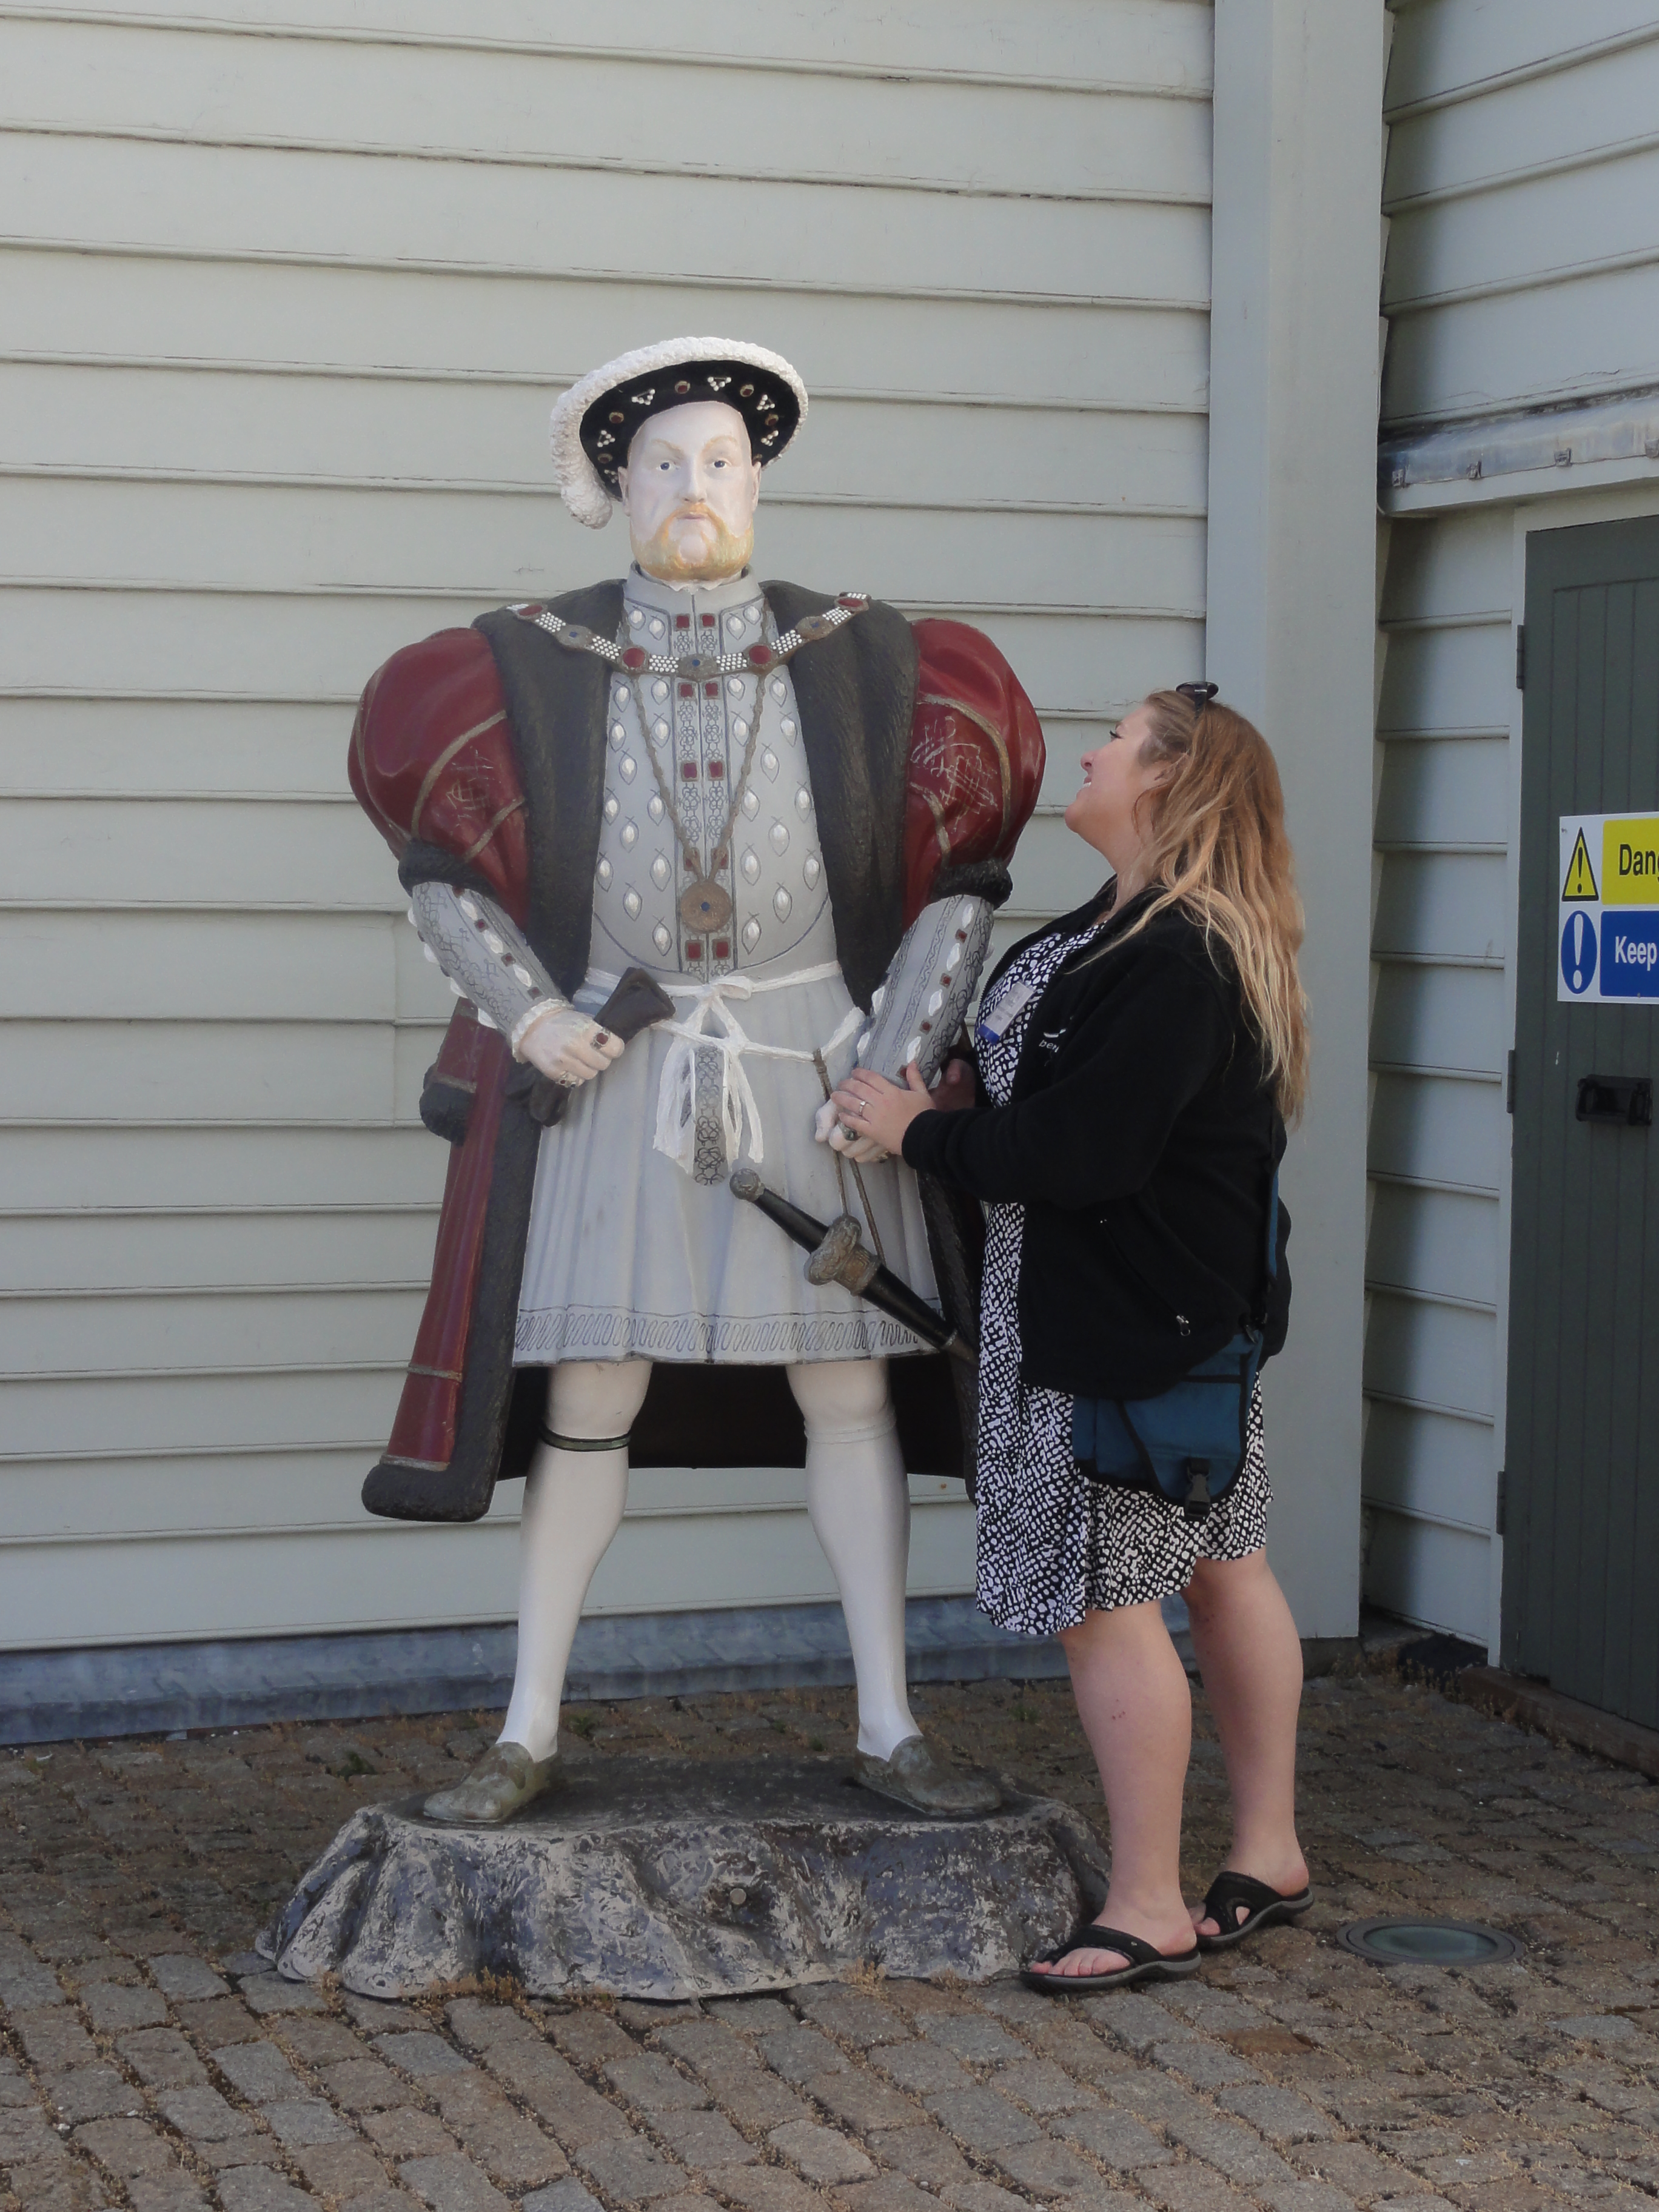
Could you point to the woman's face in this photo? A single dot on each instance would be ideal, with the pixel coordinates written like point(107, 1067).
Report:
point(1111, 812)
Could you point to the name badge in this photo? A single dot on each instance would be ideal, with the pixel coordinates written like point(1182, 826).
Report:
point(993, 1024)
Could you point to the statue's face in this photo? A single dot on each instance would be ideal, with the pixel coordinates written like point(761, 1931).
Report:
point(690, 491)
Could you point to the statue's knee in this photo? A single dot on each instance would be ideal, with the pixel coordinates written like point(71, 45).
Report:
point(594, 1399)
point(842, 1399)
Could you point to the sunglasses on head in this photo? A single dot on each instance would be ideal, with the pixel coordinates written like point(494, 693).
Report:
point(1200, 694)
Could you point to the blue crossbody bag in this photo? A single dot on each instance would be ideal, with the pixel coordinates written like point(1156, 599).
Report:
point(1188, 1442)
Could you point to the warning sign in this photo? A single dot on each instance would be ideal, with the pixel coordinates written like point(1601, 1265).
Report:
point(1578, 953)
point(1630, 860)
point(1581, 877)
point(1608, 908)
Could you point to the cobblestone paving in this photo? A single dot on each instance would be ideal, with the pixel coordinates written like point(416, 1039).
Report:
point(147, 2061)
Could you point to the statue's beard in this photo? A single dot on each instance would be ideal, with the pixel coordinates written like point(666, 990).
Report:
point(712, 561)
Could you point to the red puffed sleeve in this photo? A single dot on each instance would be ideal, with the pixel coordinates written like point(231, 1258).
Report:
point(431, 762)
point(976, 759)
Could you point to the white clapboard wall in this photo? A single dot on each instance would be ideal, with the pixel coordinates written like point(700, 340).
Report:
point(1523, 274)
point(285, 294)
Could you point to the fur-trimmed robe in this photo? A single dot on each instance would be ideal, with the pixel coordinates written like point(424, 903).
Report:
point(480, 757)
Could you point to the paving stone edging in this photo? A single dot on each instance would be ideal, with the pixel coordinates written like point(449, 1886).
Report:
point(1564, 1720)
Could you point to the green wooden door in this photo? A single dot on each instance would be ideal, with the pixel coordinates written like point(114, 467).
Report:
point(1581, 1562)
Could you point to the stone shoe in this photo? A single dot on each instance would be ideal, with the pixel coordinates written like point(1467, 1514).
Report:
point(506, 1778)
point(913, 1777)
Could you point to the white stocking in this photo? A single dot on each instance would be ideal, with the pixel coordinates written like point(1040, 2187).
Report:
point(860, 1504)
point(573, 1506)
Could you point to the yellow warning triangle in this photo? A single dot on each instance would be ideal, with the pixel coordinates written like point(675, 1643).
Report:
point(1581, 877)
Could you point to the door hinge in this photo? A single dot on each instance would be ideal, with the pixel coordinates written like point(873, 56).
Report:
point(1500, 1513)
point(1520, 656)
point(1509, 1082)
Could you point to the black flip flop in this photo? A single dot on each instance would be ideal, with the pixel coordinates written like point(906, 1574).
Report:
point(1264, 1907)
point(1145, 1964)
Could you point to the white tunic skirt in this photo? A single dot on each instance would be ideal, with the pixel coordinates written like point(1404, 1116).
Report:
point(628, 1257)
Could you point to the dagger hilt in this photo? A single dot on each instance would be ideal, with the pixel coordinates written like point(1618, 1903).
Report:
point(837, 1254)
point(843, 1257)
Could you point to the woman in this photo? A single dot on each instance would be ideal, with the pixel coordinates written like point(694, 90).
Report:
point(1137, 1061)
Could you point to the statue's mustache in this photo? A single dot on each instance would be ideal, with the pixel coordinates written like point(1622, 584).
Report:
point(717, 551)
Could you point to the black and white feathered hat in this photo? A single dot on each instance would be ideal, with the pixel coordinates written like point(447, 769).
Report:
point(595, 420)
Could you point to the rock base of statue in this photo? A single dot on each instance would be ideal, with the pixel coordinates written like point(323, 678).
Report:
point(668, 1879)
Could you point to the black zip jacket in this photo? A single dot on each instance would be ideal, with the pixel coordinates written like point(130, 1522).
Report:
point(1141, 1139)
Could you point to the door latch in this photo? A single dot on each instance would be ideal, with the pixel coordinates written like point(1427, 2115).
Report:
point(1626, 1101)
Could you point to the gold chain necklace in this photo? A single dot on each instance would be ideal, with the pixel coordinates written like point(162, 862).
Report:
point(757, 659)
point(704, 904)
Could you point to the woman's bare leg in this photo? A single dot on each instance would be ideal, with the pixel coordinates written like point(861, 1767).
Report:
point(1137, 1713)
point(1251, 1660)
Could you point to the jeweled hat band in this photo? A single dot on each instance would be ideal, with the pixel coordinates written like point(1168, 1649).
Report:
point(770, 410)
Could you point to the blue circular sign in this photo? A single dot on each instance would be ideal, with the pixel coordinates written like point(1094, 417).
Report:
point(1578, 953)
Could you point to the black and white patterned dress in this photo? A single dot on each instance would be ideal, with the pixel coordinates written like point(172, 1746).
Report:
point(1052, 1545)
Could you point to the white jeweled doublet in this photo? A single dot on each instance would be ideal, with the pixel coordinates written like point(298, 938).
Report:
point(694, 736)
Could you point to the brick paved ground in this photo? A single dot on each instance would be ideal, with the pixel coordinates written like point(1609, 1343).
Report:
point(144, 2063)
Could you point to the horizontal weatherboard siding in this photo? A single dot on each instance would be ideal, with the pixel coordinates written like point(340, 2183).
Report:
point(1522, 193)
point(284, 299)
point(1440, 1029)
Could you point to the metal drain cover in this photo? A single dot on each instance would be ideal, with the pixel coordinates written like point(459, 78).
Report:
point(1428, 1942)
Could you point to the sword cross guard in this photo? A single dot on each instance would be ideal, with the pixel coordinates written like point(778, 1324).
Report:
point(843, 1257)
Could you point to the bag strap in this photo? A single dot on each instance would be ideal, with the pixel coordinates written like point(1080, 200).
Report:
point(1258, 1311)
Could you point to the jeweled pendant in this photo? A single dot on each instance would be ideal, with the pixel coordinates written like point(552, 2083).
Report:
point(704, 905)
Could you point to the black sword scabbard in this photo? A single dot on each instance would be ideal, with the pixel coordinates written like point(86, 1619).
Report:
point(802, 1227)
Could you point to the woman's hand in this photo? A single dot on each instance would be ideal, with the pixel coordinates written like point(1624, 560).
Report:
point(876, 1108)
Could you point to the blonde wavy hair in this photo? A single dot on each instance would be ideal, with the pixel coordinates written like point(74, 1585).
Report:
point(1217, 849)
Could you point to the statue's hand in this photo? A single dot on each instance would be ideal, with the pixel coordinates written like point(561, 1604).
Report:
point(829, 1129)
point(955, 1088)
point(568, 1046)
